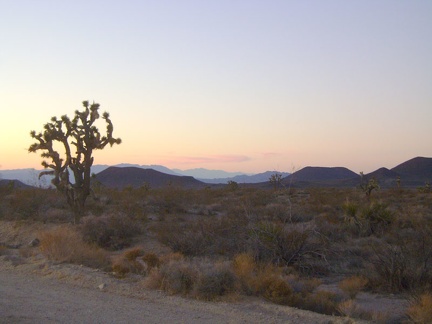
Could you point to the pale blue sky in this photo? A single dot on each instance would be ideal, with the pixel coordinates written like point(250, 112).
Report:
point(235, 85)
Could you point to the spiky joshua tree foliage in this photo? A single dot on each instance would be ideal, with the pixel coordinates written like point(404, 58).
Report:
point(69, 144)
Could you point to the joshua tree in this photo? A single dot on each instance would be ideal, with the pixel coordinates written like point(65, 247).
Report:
point(276, 180)
point(368, 187)
point(78, 138)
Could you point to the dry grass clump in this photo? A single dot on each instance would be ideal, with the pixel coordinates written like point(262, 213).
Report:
point(244, 267)
point(420, 310)
point(134, 260)
point(351, 309)
point(273, 284)
point(151, 260)
point(133, 253)
point(258, 279)
point(201, 279)
point(63, 244)
point(353, 285)
point(129, 262)
point(277, 289)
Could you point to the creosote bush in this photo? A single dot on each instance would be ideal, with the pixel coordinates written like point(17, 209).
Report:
point(214, 281)
point(113, 232)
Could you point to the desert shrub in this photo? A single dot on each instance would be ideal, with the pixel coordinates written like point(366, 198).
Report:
point(188, 239)
point(277, 289)
point(155, 277)
point(128, 262)
point(63, 244)
point(272, 242)
point(245, 269)
point(243, 264)
point(351, 217)
point(290, 245)
point(390, 264)
point(129, 202)
point(329, 226)
point(418, 242)
point(420, 310)
point(133, 253)
point(30, 204)
point(111, 231)
point(151, 260)
point(208, 236)
point(350, 209)
point(265, 280)
point(215, 280)
point(177, 277)
point(376, 218)
point(425, 189)
point(201, 279)
point(403, 260)
point(170, 199)
point(353, 285)
point(303, 286)
point(281, 292)
point(322, 301)
point(174, 256)
point(351, 309)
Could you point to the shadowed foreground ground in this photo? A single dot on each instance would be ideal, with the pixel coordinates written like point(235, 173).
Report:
point(29, 298)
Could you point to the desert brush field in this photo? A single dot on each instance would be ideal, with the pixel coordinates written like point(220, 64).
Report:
point(331, 251)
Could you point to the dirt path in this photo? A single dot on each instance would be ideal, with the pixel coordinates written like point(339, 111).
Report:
point(30, 298)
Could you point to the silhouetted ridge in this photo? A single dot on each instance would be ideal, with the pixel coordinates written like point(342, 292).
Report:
point(384, 176)
point(419, 168)
point(382, 173)
point(13, 183)
point(117, 177)
point(320, 174)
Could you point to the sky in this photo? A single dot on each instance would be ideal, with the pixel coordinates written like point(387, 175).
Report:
point(234, 85)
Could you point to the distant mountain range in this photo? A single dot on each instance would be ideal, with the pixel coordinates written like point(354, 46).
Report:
point(13, 183)
point(30, 176)
point(412, 173)
point(201, 173)
point(120, 177)
point(243, 178)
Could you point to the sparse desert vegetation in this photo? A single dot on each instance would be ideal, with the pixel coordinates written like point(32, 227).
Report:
point(314, 248)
